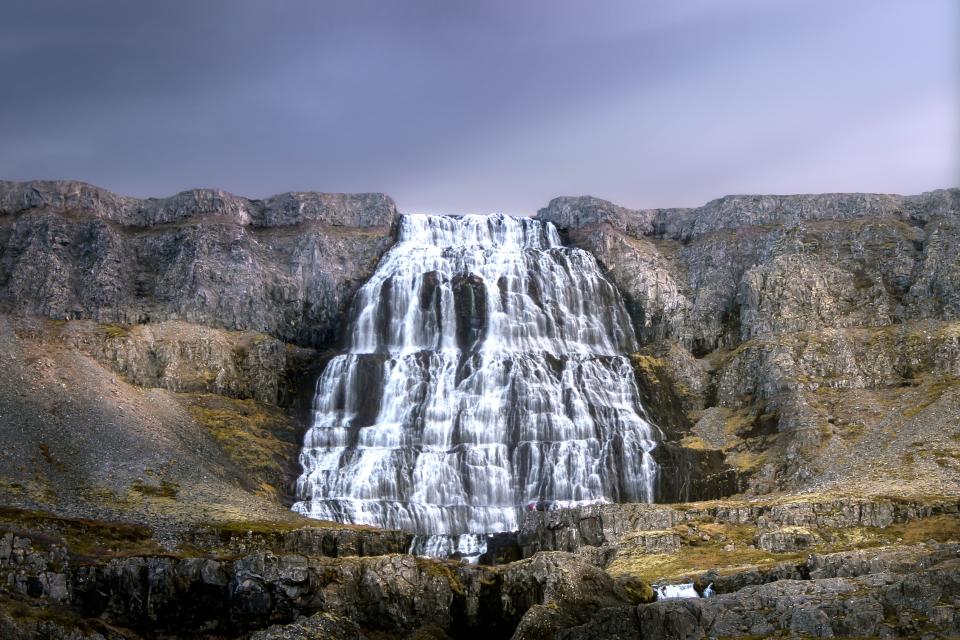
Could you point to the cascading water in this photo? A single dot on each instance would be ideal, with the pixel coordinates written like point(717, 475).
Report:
point(484, 374)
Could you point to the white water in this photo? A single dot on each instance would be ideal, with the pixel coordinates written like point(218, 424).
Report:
point(685, 590)
point(484, 372)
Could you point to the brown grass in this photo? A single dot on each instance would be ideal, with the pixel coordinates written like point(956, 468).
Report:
point(164, 490)
point(114, 331)
point(86, 540)
point(698, 556)
point(256, 437)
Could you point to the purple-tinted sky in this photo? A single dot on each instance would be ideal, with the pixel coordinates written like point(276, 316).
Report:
point(483, 106)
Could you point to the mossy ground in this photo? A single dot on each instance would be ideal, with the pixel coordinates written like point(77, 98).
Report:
point(21, 609)
point(86, 540)
point(114, 331)
point(257, 437)
point(697, 554)
point(443, 569)
point(730, 548)
point(267, 527)
point(97, 541)
point(165, 489)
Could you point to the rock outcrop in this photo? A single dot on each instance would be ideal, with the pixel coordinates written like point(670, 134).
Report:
point(876, 605)
point(783, 333)
point(288, 588)
point(744, 266)
point(651, 528)
point(287, 266)
point(306, 593)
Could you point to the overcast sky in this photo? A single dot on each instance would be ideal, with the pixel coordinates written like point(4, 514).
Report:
point(455, 106)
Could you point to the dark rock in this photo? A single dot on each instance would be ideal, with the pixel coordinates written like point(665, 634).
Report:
point(786, 540)
point(687, 474)
point(615, 623)
point(470, 296)
point(553, 591)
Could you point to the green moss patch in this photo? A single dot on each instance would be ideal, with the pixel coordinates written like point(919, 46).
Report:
point(163, 490)
point(114, 331)
point(86, 540)
point(258, 438)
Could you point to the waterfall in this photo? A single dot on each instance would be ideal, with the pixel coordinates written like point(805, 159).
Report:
point(684, 590)
point(484, 375)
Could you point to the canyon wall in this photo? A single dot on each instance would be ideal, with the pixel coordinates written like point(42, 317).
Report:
point(157, 360)
point(811, 340)
point(287, 266)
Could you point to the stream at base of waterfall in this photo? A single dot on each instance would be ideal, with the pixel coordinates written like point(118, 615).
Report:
point(484, 374)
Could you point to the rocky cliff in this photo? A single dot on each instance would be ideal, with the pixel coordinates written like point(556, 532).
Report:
point(157, 360)
point(745, 266)
point(182, 339)
point(812, 339)
point(286, 266)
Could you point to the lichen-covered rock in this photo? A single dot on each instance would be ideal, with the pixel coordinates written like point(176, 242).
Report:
point(591, 525)
point(839, 359)
point(786, 540)
point(33, 570)
point(895, 559)
point(554, 591)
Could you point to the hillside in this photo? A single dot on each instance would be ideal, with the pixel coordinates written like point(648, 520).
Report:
point(799, 354)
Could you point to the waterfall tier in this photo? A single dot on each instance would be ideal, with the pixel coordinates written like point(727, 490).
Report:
point(484, 375)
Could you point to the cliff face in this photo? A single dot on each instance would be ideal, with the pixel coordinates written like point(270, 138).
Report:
point(287, 266)
point(789, 342)
point(744, 266)
point(151, 416)
point(801, 336)
point(181, 343)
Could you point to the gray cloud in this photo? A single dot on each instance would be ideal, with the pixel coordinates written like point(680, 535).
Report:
point(494, 105)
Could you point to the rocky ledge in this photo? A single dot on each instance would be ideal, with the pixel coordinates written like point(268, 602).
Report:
point(824, 567)
point(335, 209)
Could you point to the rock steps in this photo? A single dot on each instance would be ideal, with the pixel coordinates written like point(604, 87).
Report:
point(281, 584)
